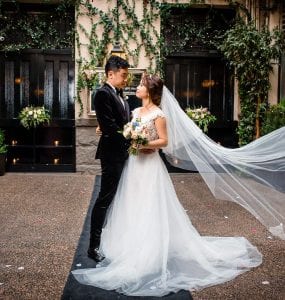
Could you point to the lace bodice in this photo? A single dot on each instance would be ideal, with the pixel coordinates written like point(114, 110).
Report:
point(148, 121)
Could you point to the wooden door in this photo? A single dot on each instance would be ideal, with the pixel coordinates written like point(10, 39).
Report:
point(204, 81)
point(201, 82)
point(38, 78)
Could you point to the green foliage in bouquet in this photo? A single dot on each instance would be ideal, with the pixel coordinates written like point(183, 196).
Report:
point(274, 118)
point(31, 116)
point(3, 146)
point(202, 117)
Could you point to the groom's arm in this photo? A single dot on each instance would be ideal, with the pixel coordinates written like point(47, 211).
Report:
point(104, 113)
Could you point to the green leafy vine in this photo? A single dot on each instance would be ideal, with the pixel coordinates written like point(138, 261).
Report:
point(251, 53)
point(132, 29)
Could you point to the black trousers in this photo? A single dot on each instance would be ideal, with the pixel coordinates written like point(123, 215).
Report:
point(111, 173)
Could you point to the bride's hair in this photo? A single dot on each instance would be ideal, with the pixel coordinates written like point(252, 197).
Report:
point(154, 85)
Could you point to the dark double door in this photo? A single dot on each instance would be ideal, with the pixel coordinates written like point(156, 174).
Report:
point(38, 78)
point(205, 81)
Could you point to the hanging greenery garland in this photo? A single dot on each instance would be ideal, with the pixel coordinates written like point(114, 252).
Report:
point(203, 34)
point(51, 28)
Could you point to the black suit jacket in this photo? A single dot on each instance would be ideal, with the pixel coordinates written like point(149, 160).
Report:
point(111, 116)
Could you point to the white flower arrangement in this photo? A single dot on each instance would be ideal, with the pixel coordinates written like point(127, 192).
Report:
point(137, 133)
point(201, 116)
point(92, 77)
point(31, 116)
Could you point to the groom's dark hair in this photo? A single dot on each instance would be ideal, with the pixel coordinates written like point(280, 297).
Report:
point(114, 63)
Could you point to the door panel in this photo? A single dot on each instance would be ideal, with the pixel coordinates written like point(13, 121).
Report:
point(37, 79)
point(205, 81)
point(9, 88)
point(201, 82)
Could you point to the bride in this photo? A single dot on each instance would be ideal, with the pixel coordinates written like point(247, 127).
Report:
point(149, 244)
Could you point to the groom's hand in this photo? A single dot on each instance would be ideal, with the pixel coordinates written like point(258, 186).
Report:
point(98, 131)
point(147, 151)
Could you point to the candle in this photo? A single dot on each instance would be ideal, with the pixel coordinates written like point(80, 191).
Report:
point(18, 80)
point(56, 161)
point(14, 142)
point(56, 143)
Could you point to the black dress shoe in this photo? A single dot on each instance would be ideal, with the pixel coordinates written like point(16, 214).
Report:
point(95, 254)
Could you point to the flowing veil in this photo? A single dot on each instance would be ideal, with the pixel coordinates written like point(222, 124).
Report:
point(252, 176)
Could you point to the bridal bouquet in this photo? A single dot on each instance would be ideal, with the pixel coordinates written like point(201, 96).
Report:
point(31, 116)
point(201, 116)
point(137, 133)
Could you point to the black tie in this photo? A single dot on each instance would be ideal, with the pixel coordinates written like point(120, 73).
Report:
point(119, 92)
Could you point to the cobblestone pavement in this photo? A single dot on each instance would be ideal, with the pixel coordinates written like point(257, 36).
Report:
point(41, 217)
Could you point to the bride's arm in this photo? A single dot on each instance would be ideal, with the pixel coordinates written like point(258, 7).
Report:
point(160, 124)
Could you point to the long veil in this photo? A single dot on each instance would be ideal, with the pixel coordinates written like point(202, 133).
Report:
point(252, 176)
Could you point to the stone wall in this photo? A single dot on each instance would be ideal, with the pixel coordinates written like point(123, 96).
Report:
point(86, 146)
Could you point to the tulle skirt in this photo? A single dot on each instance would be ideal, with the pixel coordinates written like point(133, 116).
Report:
point(150, 245)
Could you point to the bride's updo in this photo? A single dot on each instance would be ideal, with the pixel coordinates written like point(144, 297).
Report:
point(154, 85)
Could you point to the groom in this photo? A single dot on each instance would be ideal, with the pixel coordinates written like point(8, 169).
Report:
point(112, 113)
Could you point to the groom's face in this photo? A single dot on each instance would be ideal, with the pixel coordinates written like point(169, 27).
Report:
point(118, 78)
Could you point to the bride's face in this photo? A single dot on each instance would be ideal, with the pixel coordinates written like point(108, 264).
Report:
point(142, 91)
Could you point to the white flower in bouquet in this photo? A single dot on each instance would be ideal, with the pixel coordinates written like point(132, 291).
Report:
point(137, 133)
point(127, 132)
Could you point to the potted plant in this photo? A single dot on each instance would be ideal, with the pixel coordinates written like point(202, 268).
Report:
point(3, 152)
point(274, 118)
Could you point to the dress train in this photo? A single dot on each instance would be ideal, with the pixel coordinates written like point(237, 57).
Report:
point(150, 244)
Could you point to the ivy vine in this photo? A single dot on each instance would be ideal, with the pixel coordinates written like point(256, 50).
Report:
point(251, 53)
point(130, 29)
point(41, 32)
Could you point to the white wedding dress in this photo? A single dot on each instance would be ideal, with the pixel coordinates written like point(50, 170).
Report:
point(150, 245)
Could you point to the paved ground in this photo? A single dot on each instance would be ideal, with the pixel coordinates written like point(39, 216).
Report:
point(41, 217)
